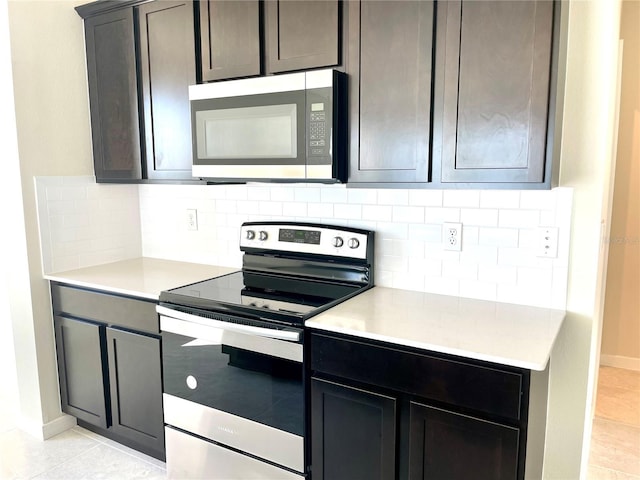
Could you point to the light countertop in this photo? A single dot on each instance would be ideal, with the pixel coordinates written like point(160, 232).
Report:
point(515, 335)
point(139, 277)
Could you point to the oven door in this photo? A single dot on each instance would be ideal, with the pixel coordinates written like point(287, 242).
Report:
point(235, 385)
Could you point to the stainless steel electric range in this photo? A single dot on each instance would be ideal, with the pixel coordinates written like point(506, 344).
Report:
point(232, 350)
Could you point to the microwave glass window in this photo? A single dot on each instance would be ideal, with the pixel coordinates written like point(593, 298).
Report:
point(248, 132)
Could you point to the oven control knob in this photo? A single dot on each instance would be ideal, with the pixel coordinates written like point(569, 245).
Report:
point(251, 234)
point(353, 243)
point(338, 242)
point(263, 235)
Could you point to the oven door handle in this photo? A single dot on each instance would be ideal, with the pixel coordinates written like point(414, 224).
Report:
point(284, 334)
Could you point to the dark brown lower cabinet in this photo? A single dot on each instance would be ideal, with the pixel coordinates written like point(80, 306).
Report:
point(136, 388)
point(110, 375)
point(385, 412)
point(446, 445)
point(84, 385)
point(353, 433)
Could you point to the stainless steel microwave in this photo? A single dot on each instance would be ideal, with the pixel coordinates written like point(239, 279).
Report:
point(288, 127)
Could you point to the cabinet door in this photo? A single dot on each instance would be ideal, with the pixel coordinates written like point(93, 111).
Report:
point(302, 34)
point(82, 370)
point(136, 389)
point(495, 90)
point(229, 39)
point(448, 446)
point(113, 95)
point(167, 68)
point(390, 57)
point(353, 433)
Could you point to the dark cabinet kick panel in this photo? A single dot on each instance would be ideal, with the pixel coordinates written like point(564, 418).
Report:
point(230, 40)
point(113, 98)
point(302, 34)
point(495, 90)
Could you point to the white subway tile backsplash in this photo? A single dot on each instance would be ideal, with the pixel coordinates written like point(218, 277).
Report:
point(408, 214)
point(538, 199)
point(307, 194)
point(470, 235)
point(298, 209)
point(426, 232)
point(497, 274)
point(499, 237)
point(478, 289)
point(459, 270)
point(334, 194)
point(378, 213)
point(347, 211)
point(479, 254)
point(85, 222)
point(442, 285)
point(259, 193)
point(362, 196)
point(479, 216)
point(461, 198)
point(441, 215)
point(425, 198)
point(499, 199)
point(392, 230)
point(320, 209)
point(393, 197)
point(519, 218)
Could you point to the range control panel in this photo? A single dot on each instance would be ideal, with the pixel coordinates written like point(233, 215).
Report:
point(306, 238)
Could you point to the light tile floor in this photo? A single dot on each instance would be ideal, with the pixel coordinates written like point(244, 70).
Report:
point(74, 454)
point(615, 441)
point(80, 454)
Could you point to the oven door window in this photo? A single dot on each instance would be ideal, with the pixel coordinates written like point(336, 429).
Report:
point(224, 376)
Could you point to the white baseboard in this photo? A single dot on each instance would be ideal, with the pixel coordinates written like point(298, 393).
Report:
point(618, 361)
point(47, 430)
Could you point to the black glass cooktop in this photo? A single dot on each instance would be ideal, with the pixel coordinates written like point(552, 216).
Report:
point(256, 295)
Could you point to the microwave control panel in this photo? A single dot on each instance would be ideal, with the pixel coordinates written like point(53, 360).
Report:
point(318, 129)
point(319, 124)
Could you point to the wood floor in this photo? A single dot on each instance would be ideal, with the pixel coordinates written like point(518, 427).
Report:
point(615, 442)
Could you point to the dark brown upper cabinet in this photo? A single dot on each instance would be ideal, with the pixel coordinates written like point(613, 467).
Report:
point(113, 95)
point(302, 34)
point(390, 66)
point(167, 68)
point(256, 37)
point(492, 91)
point(230, 39)
point(140, 63)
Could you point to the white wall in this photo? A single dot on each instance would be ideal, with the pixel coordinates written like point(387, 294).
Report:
point(586, 155)
point(52, 119)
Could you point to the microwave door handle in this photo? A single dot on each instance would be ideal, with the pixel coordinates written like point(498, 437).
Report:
point(288, 335)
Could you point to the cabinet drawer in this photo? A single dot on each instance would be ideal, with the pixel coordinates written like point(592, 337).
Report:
point(481, 388)
point(106, 308)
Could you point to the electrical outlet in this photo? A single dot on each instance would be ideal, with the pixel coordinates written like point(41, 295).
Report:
point(548, 242)
point(452, 236)
point(192, 219)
